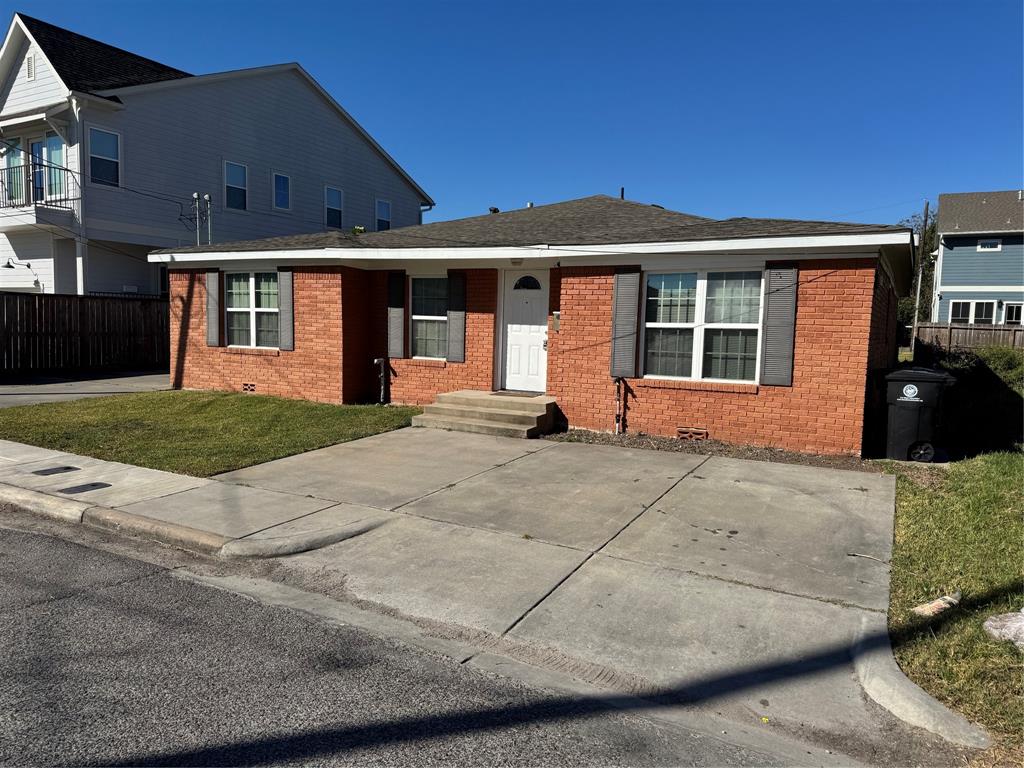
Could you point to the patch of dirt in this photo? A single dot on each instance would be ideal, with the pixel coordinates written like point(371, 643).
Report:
point(717, 448)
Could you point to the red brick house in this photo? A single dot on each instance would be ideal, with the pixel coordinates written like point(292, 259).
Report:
point(624, 315)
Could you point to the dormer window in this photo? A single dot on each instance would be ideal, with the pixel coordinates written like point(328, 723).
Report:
point(991, 245)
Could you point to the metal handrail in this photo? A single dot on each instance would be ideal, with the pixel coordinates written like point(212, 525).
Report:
point(39, 184)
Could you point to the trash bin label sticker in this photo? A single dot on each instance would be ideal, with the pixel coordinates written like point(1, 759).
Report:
point(910, 393)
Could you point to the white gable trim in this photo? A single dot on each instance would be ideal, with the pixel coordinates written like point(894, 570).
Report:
point(8, 50)
point(215, 77)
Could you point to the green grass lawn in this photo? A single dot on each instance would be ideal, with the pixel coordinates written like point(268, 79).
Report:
point(962, 529)
point(196, 433)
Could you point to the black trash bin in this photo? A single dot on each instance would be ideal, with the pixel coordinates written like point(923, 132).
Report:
point(914, 396)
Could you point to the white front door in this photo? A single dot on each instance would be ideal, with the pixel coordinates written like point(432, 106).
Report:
point(525, 313)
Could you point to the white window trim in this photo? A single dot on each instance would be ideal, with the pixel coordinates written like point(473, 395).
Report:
point(413, 317)
point(998, 245)
point(225, 185)
point(341, 210)
point(973, 304)
point(119, 159)
point(252, 309)
point(273, 190)
point(390, 220)
point(699, 325)
point(1006, 308)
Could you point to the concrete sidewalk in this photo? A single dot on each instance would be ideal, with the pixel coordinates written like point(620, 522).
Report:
point(195, 513)
point(52, 389)
point(724, 585)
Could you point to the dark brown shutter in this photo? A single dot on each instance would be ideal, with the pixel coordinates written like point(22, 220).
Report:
point(456, 317)
point(213, 308)
point(625, 319)
point(779, 328)
point(396, 314)
point(285, 310)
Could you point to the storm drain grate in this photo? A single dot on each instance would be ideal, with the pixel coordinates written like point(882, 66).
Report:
point(55, 470)
point(84, 488)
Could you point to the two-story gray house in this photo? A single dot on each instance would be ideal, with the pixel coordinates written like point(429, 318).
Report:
point(979, 272)
point(103, 149)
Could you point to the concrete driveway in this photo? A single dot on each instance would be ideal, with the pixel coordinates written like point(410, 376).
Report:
point(727, 583)
point(50, 389)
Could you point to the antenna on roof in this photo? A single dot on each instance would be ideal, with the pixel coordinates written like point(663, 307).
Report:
point(622, 193)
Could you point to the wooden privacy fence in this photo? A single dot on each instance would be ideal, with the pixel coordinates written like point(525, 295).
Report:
point(46, 333)
point(970, 336)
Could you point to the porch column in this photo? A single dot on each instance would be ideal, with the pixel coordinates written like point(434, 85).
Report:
point(81, 265)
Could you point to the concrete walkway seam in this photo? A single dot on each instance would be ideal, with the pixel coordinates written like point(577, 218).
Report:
point(37, 502)
point(883, 680)
point(146, 527)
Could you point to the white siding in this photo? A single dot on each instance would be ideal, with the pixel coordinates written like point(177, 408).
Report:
point(113, 267)
point(175, 141)
point(20, 94)
point(35, 248)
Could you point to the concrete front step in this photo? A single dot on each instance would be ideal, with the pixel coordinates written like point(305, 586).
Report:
point(476, 425)
point(479, 413)
point(539, 404)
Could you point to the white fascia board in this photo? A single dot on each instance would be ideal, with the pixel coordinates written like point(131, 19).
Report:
point(958, 233)
point(760, 244)
point(981, 288)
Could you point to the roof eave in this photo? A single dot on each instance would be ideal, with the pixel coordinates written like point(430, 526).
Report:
point(870, 241)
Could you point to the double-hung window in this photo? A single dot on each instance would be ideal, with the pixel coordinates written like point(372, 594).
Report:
point(702, 325)
point(429, 317)
point(1012, 314)
point(252, 309)
point(984, 312)
point(104, 157)
point(282, 192)
point(236, 186)
point(959, 312)
point(334, 202)
point(383, 215)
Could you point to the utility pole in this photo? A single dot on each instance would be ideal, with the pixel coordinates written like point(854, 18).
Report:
point(195, 210)
point(209, 220)
point(920, 273)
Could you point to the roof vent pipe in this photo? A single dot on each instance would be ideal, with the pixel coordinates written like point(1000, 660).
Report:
point(529, 205)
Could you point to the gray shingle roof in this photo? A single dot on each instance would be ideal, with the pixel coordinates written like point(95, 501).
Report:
point(88, 65)
point(981, 212)
point(596, 220)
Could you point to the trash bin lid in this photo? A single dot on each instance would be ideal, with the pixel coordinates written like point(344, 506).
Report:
point(920, 374)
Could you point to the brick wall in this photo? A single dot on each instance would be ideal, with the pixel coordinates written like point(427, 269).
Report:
point(822, 412)
point(420, 381)
point(312, 371)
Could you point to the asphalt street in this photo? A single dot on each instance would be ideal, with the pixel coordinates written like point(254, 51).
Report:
point(112, 661)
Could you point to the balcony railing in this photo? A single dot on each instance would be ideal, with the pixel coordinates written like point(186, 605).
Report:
point(40, 184)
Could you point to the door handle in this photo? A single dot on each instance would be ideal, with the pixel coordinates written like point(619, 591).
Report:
point(544, 345)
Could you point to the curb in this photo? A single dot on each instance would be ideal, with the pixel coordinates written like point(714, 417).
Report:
point(66, 510)
point(167, 533)
point(293, 545)
point(883, 680)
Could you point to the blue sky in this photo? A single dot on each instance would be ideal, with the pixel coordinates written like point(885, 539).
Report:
point(833, 110)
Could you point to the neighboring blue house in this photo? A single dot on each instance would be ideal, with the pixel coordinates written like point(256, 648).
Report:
point(979, 275)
